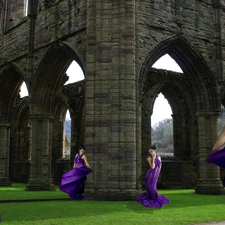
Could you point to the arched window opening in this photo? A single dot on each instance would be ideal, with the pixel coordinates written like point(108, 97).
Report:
point(25, 7)
point(23, 90)
point(162, 126)
point(74, 73)
point(14, 13)
point(67, 136)
point(161, 120)
point(167, 63)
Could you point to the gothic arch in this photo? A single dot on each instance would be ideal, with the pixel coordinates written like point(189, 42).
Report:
point(175, 88)
point(11, 80)
point(67, 99)
point(188, 93)
point(202, 81)
point(51, 75)
point(70, 97)
point(73, 95)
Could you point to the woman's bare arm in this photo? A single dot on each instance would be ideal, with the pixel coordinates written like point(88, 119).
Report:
point(74, 164)
point(84, 157)
point(219, 142)
point(151, 161)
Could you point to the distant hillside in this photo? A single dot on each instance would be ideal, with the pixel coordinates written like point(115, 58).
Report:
point(162, 134)
point(68, 129)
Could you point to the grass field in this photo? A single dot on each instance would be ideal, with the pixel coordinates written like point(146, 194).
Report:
point(185, 208)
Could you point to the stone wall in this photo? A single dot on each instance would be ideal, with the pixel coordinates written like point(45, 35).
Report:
point(115, 43)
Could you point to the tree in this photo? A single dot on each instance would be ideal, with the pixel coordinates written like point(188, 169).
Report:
point(162, 136)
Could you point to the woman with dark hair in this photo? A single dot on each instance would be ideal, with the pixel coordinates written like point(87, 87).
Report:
point(151, 198)
point(73, 181)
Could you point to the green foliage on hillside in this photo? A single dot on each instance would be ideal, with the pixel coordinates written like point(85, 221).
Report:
point(162, 136)
point(68, 129)
point(162, 133)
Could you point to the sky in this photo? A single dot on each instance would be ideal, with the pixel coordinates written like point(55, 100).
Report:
point(161, 110)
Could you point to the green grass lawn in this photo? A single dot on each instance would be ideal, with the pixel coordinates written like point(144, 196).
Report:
point(17, 191)
point(186, 207)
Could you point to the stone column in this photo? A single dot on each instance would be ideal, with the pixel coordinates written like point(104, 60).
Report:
point(41, 153)
point(4, 155)
point(111, 98)
point(209, 175)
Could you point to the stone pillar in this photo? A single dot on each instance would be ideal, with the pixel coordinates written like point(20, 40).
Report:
point(4, 155)
point(111, 98)
point(209, 174)
point(41, 153)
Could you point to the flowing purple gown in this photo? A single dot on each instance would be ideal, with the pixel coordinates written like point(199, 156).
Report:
point(217, 158)
point(73, 181)
point(151, 198)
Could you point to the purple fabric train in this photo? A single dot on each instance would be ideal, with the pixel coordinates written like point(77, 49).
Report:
point(151, 198)
point(73, 181)
point(217, 158)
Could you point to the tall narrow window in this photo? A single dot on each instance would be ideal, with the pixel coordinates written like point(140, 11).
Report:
point(15, 11)
point(67, 138)
point(161, 120)
point(162, 126)
point(25, 7)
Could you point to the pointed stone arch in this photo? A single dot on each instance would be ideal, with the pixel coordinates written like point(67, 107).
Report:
point(71, 97)
point(176, 90)
point(51, 75)
point(49, 99)
point(11, 79)
point(194, 102)
point(192, 63)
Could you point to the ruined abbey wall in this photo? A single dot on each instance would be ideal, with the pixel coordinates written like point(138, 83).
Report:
point(115, 43)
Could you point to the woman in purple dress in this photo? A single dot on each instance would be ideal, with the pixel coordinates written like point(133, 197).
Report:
point(218, 152)
point(73, 181)
point(151, 198)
